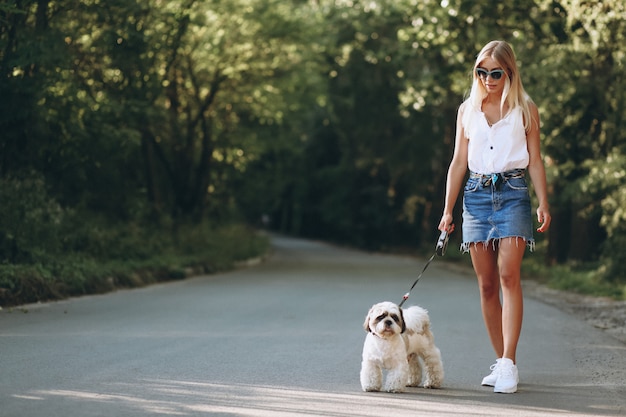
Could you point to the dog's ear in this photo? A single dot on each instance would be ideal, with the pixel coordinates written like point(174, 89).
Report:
point(402, 320)
point(366, 325)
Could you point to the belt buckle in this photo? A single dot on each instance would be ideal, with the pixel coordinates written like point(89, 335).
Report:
point(496, 179)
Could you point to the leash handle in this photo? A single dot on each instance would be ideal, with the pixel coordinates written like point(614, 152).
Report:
point(442, 243)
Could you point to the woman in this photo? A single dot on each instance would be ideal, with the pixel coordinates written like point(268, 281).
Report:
point(497, 138)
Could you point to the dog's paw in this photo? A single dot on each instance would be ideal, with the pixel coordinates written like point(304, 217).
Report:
point(395, 390)
point(432, 384)
point(371, 389)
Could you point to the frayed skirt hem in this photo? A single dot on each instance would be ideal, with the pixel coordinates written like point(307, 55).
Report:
point(465, 246)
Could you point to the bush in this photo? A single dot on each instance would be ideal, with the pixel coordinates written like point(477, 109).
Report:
point(30, 221)
point(581, 278)
point(99, 257)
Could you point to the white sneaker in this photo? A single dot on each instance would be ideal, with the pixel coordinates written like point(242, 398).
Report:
point(490, 380)
point(508, 377)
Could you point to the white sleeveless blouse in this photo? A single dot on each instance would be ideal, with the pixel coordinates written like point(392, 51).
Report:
point(498, 148)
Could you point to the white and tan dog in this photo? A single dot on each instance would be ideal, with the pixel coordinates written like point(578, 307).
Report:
point(400, 342)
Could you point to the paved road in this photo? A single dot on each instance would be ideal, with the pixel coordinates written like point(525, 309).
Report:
point(284, 338)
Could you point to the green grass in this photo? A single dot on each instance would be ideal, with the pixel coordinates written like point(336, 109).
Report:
point(580, 278)
point(127, 258)
point(584, 279)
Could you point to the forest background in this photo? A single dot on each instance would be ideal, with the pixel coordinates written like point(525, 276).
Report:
point(140, 137)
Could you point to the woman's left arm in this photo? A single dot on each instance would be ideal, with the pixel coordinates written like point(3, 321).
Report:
point(537, 170)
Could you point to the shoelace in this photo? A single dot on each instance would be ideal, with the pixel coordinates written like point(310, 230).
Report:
point(506, 371)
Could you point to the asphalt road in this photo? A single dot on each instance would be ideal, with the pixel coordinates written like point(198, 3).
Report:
point(284, 338)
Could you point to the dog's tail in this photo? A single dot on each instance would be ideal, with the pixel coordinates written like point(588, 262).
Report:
point(417, 319)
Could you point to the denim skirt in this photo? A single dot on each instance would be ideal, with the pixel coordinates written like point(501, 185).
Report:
point(496, 210)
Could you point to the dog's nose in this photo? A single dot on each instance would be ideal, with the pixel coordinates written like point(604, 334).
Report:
point(388, 323)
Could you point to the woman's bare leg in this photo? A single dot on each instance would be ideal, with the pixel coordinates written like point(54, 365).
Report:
point(485, 261)
point(510, 255)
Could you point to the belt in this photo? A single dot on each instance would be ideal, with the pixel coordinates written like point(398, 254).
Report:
point(498, 178)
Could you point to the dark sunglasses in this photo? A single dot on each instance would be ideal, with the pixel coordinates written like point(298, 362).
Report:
point(495, 74)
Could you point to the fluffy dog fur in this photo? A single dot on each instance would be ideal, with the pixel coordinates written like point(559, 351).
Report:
point(400, 342)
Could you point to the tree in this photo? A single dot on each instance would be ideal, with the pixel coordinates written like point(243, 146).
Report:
point(580, 87)
point(334, 117)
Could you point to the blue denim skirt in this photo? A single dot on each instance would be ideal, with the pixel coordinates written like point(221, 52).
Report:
point(495, 208)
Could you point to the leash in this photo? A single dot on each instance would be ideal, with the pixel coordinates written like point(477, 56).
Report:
point(440, 250)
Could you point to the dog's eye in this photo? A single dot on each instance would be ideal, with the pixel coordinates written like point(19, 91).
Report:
point(395, 318)
point(382, 316)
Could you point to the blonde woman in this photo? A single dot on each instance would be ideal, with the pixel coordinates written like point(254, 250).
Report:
point(497, 138)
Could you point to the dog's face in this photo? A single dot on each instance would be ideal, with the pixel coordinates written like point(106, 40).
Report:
point(385, 320)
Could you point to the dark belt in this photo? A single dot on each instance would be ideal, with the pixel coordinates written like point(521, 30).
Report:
point(499, 178)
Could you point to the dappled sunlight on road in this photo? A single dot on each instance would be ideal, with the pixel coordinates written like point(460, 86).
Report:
point(182, 398)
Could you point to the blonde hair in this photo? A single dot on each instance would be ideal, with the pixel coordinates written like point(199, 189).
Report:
point(513, 94)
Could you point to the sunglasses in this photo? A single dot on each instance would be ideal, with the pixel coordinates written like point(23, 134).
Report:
point(495, 74)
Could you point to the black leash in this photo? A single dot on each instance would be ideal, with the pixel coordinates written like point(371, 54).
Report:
point(440, 250)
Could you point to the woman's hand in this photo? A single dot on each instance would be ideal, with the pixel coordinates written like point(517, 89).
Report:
point(446, 223)
point(543, 217)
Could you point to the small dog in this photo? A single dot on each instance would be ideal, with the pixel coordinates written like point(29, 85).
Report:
point(398, 341)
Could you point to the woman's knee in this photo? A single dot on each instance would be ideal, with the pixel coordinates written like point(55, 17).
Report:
point(510, 279)
point(489, 287)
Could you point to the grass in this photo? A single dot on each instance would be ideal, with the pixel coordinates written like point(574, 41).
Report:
point(580, 278)
point(126, 259)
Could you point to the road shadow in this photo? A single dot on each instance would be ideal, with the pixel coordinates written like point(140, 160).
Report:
point(195, 398)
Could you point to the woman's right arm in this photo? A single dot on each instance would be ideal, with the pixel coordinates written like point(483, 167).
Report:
point(456, 174)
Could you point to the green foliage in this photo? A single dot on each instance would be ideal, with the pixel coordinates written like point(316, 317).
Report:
point(607, 181)
point(584, 279)
point(30, 220)
point(578, 81)
point(105, 257)
point(332, 118)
